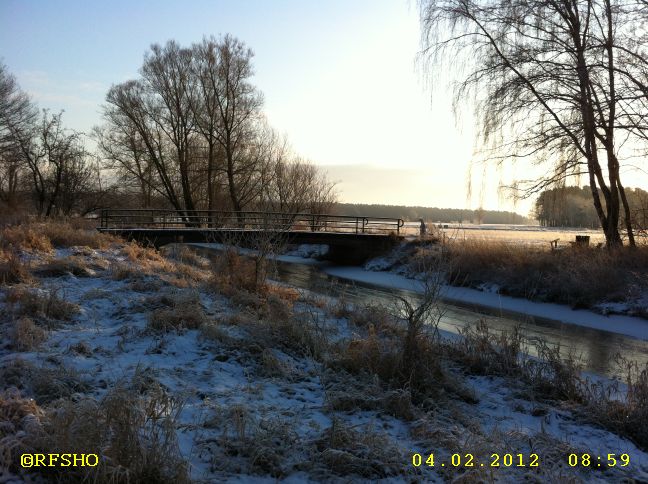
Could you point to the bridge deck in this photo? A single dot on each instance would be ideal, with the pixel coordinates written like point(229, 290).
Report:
point(350, 239)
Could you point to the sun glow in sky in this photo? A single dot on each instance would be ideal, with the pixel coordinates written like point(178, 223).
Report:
point(340, 79)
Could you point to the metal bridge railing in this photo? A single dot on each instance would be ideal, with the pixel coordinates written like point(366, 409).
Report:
point(275, 221)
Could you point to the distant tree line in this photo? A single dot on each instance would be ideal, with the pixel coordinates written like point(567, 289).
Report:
point(572, 207)
point(434, 214)
point(189, 133)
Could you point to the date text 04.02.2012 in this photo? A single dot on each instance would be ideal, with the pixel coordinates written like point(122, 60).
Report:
point(468, 460)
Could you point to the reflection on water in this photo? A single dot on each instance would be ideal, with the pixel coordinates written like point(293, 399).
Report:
point(596, 349)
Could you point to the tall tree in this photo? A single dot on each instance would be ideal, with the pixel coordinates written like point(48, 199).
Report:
point(166, 74)
point(236, 103)
point(131, 107)
point(544, 78)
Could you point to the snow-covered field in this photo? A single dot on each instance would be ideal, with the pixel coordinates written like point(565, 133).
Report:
point(522, 234)
point(258, 397)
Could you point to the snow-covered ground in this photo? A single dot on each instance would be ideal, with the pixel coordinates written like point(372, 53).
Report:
point(258, 408)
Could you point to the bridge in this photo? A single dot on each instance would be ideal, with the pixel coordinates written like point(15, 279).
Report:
point(351, 239)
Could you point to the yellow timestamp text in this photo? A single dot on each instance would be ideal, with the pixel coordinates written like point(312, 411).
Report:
point(593, 460)
point(469, 460)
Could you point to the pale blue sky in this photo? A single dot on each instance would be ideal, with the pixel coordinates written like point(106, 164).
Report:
point(339, 78)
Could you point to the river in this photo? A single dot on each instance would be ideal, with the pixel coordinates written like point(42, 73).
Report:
point(595, 349)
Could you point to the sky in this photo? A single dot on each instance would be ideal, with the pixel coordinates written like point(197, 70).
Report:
point(342, 79)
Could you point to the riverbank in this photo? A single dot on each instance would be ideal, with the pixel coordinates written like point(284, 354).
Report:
point(626, 325)
point(503, 274)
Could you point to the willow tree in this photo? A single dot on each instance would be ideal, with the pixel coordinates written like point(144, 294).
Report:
point(547, 81)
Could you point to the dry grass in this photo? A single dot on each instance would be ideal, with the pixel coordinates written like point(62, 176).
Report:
point(183, 311)
point(580, 277)
point(147, 261)
point(556, 376)
point(375, 316)
point(132, 429)
point(13, 409)
point(44, 384)
point(384, 350)
point(274, 367)
point(362, 452)
point(48, 305)
point(12, 269)
point(483, 351)
point(550, 375)
point(184, 255)
point(286, 294)
point(44, 236)
point(624, 412)
point(74, 265)
point(25, 237)
point(212, 331)
point(67, 234)
point(26, 335)
point(121, 272)
point(350, 393)
point(231, 272)
point(252, 445)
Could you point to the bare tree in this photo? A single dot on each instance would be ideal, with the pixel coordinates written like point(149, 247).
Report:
point(56, 161)
point(166, 75)
point(124, 152)
point(292, 184)
point(132, 110)
point(17, 114)
point(544, 78)
point(191, 130)
point(236, 103)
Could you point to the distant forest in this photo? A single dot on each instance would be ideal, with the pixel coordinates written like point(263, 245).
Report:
point(572, 207)
point(433, 214)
